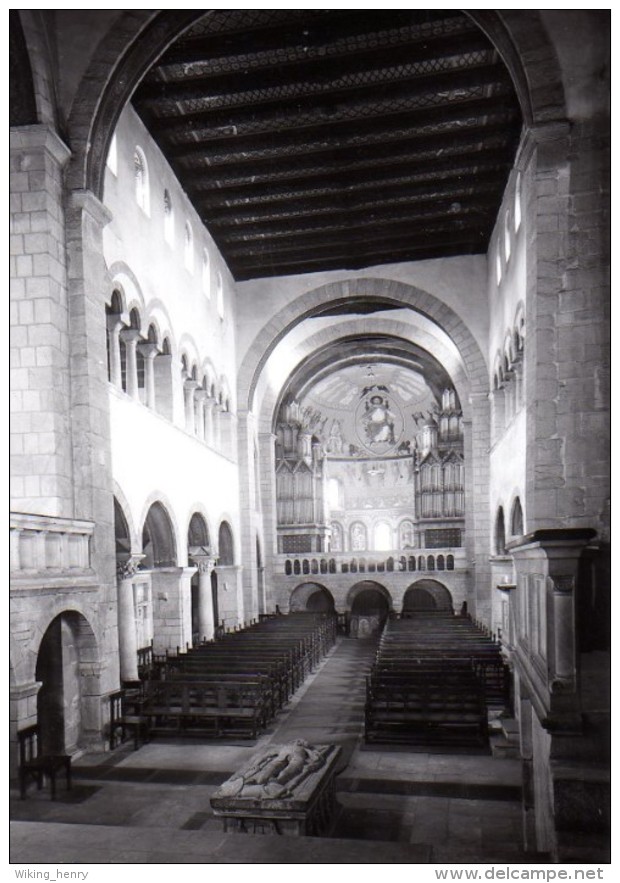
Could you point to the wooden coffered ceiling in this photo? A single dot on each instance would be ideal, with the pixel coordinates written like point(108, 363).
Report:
point(314, 140)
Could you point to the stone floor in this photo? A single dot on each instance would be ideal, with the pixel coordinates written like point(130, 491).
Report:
point(394, 806)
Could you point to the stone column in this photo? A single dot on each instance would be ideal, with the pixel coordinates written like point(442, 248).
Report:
point(114, 327)
point(130, 337)
point(200, 398)
point(162, 378)
point(189, 391)
point(230, 596)
point(206, 625)
point(127, 641)
point(149, 351)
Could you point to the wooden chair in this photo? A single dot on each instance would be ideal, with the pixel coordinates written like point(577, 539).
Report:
point(35, 764)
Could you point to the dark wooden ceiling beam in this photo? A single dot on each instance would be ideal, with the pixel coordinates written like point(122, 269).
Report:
point(336, 25)
point(434, 224)
point(359, 261)
point(335, 135)
point(397, 176)
point(436, 152)
point(347, 204)
point(298, 111)
point(323, 70)
point(334, 223)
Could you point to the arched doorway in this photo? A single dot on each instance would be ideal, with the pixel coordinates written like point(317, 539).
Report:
point(425, 595)
point(370, 604)
point(311, 597)
point(69, 690)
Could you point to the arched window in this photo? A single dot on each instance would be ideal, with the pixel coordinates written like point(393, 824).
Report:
point(168, 219)
point(383, 537)
point(500, 533)
point(112, 158)
point(141, 180)
point(220, 296)
point(188, 249)
point(296, 567)
point(206, 274)
point(430, 563)
point(516, 519)
point(288, 567)
point(450, 562)
point(518, 201)
point(441, 563)
point(507, 241)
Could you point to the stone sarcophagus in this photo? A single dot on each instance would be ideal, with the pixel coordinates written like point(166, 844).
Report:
point(287, 789)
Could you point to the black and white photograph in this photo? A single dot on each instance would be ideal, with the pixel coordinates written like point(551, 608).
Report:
point(310, 441)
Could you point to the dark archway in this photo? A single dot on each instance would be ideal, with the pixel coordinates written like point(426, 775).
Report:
point(321, 601)
point(122, 536)
point(516, 519)
point(311, 596)
point(226, 545)
point(158, 544)
point(370, 607)
point(427, 594)
point(68, 645)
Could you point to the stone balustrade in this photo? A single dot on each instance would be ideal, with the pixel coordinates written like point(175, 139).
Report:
point(404, 561)
point(47, 550)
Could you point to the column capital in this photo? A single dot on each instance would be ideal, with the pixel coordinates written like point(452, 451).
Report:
point(127, 565)
point(147, 349)
point(204, 562)
point(190, 384)
point(130, 335)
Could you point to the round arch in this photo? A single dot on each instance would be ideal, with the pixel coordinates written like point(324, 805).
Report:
point(66, 653)
point(368, 585)
point(139, 37)
point(198, 535)
point(300, 599)
point(158, 538)
point(385, 291)
point(427, 594)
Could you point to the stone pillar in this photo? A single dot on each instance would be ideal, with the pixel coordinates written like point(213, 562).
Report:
point(189, 391)
point(130, 337)
point(127, 641)
point(206, 624)
point(114, 327)
point(172, 607)
point(200, 413)
point(149, 351)
point(230, 595)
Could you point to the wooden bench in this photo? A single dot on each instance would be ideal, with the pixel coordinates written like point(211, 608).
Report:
point(220, 709)
point(33, 763)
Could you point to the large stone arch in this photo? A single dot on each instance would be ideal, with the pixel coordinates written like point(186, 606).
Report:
point(380, 326)
point(388, 291)
point(139, 37)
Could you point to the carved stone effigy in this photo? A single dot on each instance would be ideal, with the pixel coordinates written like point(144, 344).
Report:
point(289, 789)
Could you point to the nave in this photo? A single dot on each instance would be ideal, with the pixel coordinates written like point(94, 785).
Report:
point(413, 805)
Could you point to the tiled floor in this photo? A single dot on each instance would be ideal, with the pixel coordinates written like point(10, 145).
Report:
point(394, 806)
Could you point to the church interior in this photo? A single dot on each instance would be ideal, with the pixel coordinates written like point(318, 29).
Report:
point(310, 436)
